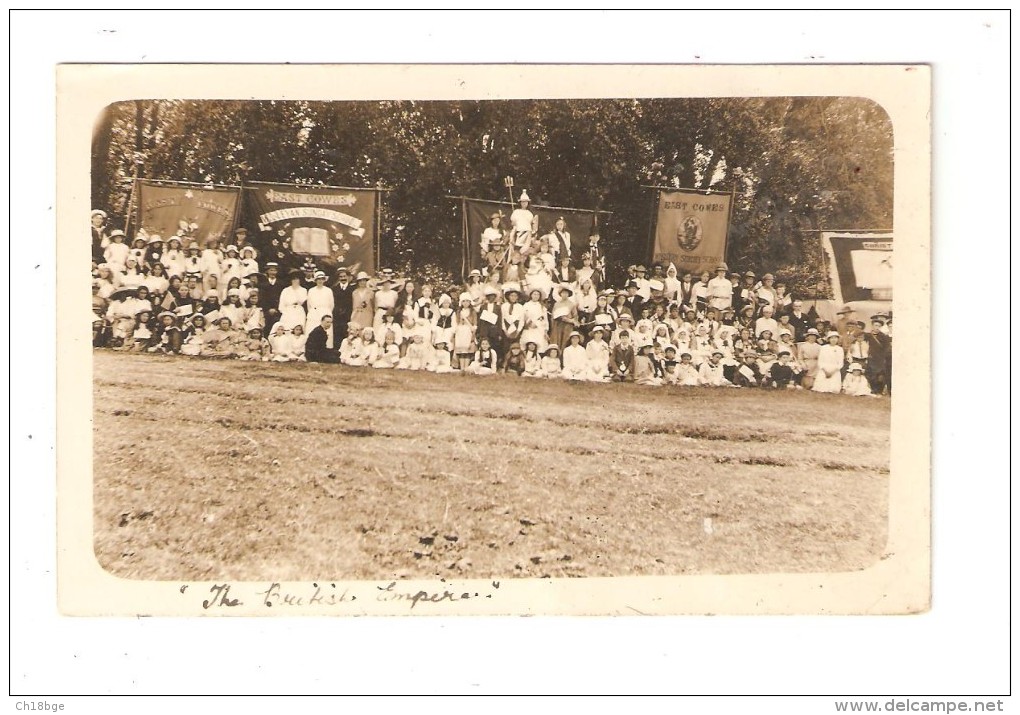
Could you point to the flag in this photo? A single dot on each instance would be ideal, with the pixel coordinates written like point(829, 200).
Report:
point(329, 226)
point(861, 265)
point(580, 224)
point(690, 230)
point(194, 213)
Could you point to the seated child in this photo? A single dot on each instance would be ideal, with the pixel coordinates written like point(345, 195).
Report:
point(551, 361)
point(256, 347)
point(484, 361)
point(417, 355)
point(765, 362)
point(644, 371)
point(783, 372)
point(597, 353)
point(687, 373)
point(621, 359)
point(711, 372)
point(855, 383)
point(441, 360)
point(388, 355)
point(513, 363)
point(670, 376)
point(532, 360)
point(575, 359)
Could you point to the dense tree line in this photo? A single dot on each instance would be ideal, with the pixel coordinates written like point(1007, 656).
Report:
point(797, 164)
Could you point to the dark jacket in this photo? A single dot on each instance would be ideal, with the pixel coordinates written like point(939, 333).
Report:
point(315, 347)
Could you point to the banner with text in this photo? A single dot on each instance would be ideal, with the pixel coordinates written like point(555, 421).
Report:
point(328, 226)
point(580, 224)
point(195, 213)
point(691, 228)
point(860, 265)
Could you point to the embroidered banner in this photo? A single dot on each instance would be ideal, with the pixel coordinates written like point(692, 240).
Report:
point(690, 229)
point(193, 213)
point(328, 226)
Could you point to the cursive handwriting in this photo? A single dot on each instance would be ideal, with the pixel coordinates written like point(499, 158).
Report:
point(219, 596)
point(391, 593)
point(276, 596)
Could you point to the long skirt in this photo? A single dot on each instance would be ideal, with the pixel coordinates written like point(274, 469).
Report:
point(828, 384)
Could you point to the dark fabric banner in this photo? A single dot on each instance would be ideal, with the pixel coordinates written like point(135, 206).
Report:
point(579, 224)
point(690, 229)
point(328, 226)
point(862, 266)
point(194, 213)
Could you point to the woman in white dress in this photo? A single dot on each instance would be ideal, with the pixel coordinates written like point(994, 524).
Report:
point(536, 321)
point(292, 302)
point(830, 363)
point(320, 302)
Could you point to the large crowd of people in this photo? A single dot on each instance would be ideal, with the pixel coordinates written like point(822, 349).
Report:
point(539, 308)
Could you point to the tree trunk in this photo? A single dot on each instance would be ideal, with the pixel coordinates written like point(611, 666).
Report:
point(101, 137)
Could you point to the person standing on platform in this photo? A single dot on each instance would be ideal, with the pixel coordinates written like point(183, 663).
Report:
point(523, 223)
point(494, 244)
point(559, 241)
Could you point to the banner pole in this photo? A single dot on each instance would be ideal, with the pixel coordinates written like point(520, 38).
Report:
point(320, 186)
point(378, 228)
point(652, 226)
point(131, 201)
point(196, 184)
point(235, 224)
point(551, 208)
point(465, 239)
point(729, 220)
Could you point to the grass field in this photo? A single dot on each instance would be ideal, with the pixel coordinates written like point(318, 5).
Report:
point(254, 471)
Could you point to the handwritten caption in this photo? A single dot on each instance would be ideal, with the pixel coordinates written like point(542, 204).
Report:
point(220, 596)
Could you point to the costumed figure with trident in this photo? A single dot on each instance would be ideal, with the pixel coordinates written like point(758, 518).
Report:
point(523, 223)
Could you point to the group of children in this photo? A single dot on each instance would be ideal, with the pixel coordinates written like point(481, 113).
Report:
point(731, 330)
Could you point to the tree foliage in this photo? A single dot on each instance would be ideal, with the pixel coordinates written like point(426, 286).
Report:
point(797, 164)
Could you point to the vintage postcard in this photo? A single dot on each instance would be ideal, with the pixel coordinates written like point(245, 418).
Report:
point(493, 339)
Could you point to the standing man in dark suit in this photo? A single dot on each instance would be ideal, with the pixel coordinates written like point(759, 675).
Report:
point(343, 300)
point(800, 321)
point(270, 287)
point(321, 345)
point(634, 301)
point(879, 357)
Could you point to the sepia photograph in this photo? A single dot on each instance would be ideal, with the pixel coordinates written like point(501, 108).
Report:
point(507, 351)
point(499, 340)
